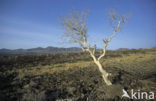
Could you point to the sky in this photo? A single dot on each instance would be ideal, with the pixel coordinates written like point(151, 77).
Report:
point(37, 23)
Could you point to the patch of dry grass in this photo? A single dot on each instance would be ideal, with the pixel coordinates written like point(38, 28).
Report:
point(133, 63)
point(50, 69)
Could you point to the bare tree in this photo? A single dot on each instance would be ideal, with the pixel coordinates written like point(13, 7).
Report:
point(76, 29)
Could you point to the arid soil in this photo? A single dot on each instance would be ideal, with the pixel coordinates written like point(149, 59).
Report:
point(74, 78)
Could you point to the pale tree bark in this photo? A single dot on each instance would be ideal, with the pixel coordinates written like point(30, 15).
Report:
point(76, 30)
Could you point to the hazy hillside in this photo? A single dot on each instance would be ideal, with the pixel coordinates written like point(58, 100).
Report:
point(49, 50)
point(38, 50)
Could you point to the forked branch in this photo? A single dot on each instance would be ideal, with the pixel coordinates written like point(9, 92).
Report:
point(106, 41)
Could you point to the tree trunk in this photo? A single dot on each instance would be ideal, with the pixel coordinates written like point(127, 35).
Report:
point(104, 73)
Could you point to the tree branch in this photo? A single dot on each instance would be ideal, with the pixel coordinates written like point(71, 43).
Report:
point(117, 29)
point(106, 41)
point(94, 50)
point(104, 50)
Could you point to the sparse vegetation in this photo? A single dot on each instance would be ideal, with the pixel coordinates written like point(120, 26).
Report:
point(45, 78)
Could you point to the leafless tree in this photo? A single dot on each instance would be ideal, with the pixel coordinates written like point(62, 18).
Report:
point(76, 29)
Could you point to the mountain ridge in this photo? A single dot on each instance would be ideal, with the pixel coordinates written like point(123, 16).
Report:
point(38, 50)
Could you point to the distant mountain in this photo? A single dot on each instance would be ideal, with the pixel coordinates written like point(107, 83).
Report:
point(38, 50)
point(154, 47)
point(122, 49)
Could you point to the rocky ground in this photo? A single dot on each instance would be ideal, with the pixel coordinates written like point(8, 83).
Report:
point(80, 80)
